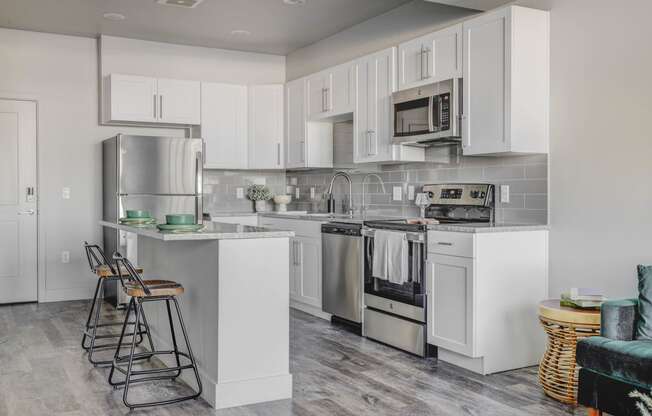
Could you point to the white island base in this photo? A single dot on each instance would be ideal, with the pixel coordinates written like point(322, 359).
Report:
point(236, 310)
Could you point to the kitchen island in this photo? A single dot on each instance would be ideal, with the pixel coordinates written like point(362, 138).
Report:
point(235, 306)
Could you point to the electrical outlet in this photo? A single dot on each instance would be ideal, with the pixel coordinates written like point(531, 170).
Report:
point(289, 189)
point(504, 194)
point(293, 181)
point(65, 193)
point(297, 193)
point(397, 193)
point(312, 193)
point(239, 193)
point(410, 193)
point(65, 257)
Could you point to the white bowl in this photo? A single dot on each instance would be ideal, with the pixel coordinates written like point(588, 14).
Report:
point(282, 199)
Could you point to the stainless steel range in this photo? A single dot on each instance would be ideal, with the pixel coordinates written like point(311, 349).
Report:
point(395, 308)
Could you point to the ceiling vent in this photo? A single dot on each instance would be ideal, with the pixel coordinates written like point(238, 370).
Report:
point(188, 4)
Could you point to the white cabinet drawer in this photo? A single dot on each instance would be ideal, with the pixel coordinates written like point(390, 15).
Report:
point(450, 243)
point(304, 228)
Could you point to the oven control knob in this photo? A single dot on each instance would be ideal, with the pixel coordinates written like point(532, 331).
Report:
point(475, 194)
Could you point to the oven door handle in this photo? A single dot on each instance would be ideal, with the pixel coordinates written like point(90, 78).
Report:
point(417, 238)
point(431, 104)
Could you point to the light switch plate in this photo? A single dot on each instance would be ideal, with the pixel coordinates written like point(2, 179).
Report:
point(504, 194)
point(239, 193)
point(410, 193)
point(65, 257)
point(65, 193)
point(297, 193)
point(397, 193)
point(312, 193)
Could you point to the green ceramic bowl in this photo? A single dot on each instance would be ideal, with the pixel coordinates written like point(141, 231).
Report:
point(180, 219)
point(137, 213)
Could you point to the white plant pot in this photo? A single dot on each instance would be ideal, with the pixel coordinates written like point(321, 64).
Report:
point(261, 206)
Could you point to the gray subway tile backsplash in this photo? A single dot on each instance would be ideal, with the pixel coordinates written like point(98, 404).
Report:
point(526, 176)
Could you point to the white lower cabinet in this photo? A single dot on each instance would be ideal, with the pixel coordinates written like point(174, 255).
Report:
point(449, 288)
point(483, 291)
point(305, 262)
point(305, 270)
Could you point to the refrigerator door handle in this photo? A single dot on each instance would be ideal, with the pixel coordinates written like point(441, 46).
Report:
point(199, 198)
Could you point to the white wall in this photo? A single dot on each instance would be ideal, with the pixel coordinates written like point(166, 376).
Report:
point(601, 147)
point(61, 72)
point(403, 23)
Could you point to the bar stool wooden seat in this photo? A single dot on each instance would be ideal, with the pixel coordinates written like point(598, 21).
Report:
point(143, 291)
point(101, 266)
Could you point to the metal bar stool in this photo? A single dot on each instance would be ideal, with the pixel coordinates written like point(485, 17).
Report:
point(142, 291)
point(105, 272)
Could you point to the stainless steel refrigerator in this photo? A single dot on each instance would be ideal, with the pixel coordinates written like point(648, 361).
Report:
point(160, 174)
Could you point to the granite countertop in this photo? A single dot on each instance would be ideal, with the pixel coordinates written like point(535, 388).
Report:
point(356, 219)
point(211, 231)
point(487, 227)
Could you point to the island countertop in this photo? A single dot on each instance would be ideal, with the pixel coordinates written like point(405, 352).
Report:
point(211, 231)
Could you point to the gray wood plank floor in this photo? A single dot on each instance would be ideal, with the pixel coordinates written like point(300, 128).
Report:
point(43, 371)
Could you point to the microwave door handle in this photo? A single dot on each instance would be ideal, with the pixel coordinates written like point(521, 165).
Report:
point(431, 127)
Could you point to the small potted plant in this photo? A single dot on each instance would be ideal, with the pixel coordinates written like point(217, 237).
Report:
point(260, 194)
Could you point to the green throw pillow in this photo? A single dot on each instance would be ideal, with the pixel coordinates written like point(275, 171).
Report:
point(644, 326)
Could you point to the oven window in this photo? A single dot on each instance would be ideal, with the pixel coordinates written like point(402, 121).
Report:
point(411, 118)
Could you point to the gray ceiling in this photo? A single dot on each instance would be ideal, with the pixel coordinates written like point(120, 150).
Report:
point(275, 27)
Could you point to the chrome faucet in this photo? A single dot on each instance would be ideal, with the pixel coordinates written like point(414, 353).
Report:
point(382, 184)
point(331, 204)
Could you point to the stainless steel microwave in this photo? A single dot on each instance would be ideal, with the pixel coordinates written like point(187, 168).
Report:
point(428, 115)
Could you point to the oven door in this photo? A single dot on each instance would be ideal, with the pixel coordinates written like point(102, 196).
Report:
point(411, 292)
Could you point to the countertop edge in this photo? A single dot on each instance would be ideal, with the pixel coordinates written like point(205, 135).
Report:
point(241, 235)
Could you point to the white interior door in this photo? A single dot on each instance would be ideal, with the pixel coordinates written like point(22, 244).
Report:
point(18, 224)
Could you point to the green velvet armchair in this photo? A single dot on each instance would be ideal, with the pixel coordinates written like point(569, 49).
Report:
point(615, 363)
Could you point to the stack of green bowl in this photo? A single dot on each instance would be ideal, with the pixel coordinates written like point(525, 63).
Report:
point(180, 223)
point(138, 218)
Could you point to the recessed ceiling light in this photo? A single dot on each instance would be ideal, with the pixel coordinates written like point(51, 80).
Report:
point(180, 3)
point(114, 16)
point(295, 2)
point(240, 32)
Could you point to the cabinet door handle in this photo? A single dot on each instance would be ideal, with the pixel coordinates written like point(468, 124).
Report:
point(278, 154)
point(154, 106)
point(160, 109)
point(323, 94)
point(426, 52)
point(444, 243)
point(328, 106)
point(303, 151)
point(421, 63)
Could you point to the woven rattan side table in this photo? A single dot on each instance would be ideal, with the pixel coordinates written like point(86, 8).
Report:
point(564, 326)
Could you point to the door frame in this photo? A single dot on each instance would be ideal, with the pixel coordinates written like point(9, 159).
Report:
point(40, 259)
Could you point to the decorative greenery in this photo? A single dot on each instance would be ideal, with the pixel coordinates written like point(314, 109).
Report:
point(644, 404)
point(259, 193)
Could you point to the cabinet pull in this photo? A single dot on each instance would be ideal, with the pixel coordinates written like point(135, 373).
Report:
point(323, 94)
point(426, 51)
point(160, 109)
point(421, 63)
point(278, 154)
point(444, 243)
point(154, 106)
point(303, 151)
point(327, 97)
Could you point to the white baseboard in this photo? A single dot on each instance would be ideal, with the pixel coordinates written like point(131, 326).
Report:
point(472, 364)
point(312, 310)
point(244, 392)
point(59, 295)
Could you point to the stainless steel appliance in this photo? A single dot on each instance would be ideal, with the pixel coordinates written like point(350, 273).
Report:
point(160, 174)
point(395, 314)
point(342, 270)
point(428, 115)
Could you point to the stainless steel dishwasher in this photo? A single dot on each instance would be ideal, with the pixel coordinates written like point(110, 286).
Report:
point(342, 270)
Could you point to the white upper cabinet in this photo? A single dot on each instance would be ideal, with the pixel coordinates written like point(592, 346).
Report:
point(308, 144)
point(506, 82)
point(138, 99)
point(372, 122)
point(132, 98)
point(224, 125)
point(179, 101)
point(331, 92)
point(265, 130)
point(431, 58)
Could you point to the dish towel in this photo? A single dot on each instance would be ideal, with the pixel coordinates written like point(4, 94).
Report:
point(390, 260)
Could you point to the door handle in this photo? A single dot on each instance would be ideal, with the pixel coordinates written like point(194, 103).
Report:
point(27, 212)
point(303, 151)
point(278, 154)
point(444, 243)
point(160, 109)
point(155, 106)
point(426, 52)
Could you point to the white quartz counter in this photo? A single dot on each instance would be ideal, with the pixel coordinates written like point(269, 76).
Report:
point(211, 231)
